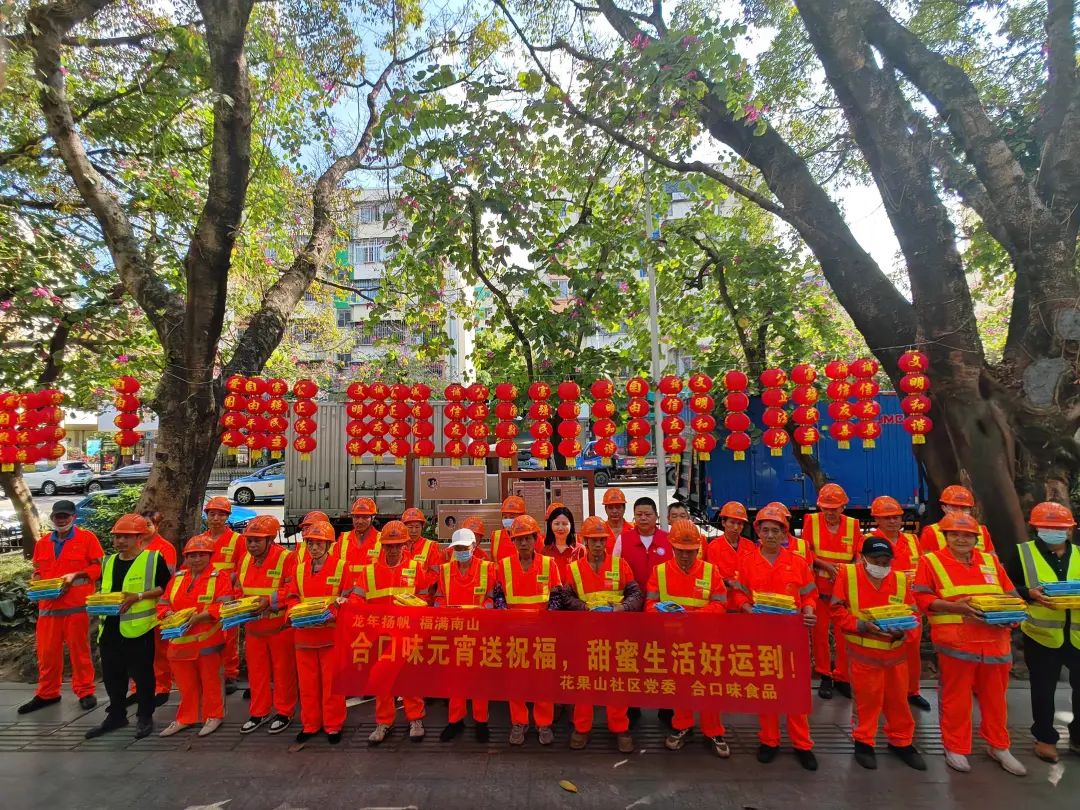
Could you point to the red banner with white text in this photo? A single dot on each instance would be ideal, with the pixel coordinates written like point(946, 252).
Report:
point(697, 661)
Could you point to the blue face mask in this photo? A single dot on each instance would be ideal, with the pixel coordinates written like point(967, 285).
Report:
point(1053, 537)
point(462, 555)
point(507, 522)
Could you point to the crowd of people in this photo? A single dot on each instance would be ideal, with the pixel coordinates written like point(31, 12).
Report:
point(835, 575)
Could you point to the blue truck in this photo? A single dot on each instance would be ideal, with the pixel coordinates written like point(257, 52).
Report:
point(888, 469)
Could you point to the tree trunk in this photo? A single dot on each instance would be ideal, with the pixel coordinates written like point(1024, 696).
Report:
point(16, 491)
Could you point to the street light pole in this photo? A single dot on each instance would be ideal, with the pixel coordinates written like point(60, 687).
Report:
point(652, 231)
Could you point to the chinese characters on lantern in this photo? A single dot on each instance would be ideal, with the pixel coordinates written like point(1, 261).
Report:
point(30, 427)
point(540, 413)
point(506, 429)
point(637, 425)
point(569, 428)
point(672, 425)
point(775, 418)
point(805, 415)
point(127, 419)
point(916, 404)
point(305, 425)
point(867, 409)
point(840, 411)
point(604, 428)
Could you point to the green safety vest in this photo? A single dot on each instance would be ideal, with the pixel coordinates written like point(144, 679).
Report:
point(141, 617)
point(1046, 625)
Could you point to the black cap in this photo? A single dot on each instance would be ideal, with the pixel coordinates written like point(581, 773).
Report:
point(63, 508)
point(876, 545)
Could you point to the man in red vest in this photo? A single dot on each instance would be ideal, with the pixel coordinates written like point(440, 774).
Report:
point(834, 539)
point(74, 555)
point(643, 545)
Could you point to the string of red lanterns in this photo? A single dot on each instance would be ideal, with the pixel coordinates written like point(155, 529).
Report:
point(736, 402)
point(672, 425)
point(916, 405)
point(806, 415)
point(867, 409)
point(423, 428)
point(376, 426)
point(478, 431)
point(775, 418)
point(127, 419)
point(569, 428)
point(506, 429)
point(637, 426)
point(840, 411)
point(604, 427)
point(540, 413)
point(305, 408)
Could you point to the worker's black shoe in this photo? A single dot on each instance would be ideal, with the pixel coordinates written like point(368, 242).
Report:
point(247, 693)
point(144, 727)
point(333, 737)
point(35, 703)
point(107, 725)
point(87, 702)
point(865, 756)
point(843, 688)
point(806, 759)
point(252, 723)
point(161, 698)
point(278, 723)
point(304, 736)
point(452, 730)
point(910, 756)
point(767, 753)
point(919, 702)
point(483, 733)
point(634, 715)
point(230, 686)
point(666, 716)
point(824, 690)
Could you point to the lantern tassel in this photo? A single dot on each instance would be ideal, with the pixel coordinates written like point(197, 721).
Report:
point(805, 449)
point(399, 461)
point(571, 462)
point(740, 455)
point(843, 445)
point(704, 456)
point(305, 456)
point(776, 451)
point(868, 444)
point(918, 438)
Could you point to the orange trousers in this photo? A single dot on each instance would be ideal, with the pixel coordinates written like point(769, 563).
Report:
point(271, 658)
point(820, 636)
point(202, 688)
point(385, 710)
point(914, 661)
point(543, 714)
point(712, 725)
point(53, 632)
point(960, 681)
point(798, 729)
point(320, 708)
point(162, 671)
point(880, 688)
point(618, 721)
point(479, 710)
point(232, 654)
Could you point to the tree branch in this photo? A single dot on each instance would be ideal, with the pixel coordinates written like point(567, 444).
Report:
point(1062, 85)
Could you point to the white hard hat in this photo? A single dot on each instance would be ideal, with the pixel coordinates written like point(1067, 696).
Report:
point(462, 538)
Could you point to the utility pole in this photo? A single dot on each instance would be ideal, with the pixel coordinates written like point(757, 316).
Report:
point(652, 231)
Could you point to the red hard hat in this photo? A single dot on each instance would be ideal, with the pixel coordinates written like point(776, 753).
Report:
point(363, 506)
point(884, 506)
point(832, 496)
point(394, 533)
point(614, 496)
point(200, 544)
point(263, 526)
point(956, 495)
point(132, 524)
point(318, 532)
point(524, 525)
point(771, 513)
point(513, 505)
point(594, 527)
point(218, 503)
point(959, 522)
point(314, 517)
point(735, 511)
point(1051, 515)
point(413, 515)
point(684, 535)
point(475, 525)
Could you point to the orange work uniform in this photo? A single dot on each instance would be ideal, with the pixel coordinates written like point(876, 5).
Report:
point(973, 657)
point(64, 620)
point(320, 708)
point(702, 588)
point(564, 558)
point(933, 539)
point(196, 658)
point(906, 553)
point(228, 549)
point(528, 589)
point(603, 587)
point(878, 664)
point(378, 584)
point(837, 548)
point(788, 574)
point(357, 551)
point(502, 546)
point(269, 648)
point(721, 554)
point(163, 679)
point(470, 590)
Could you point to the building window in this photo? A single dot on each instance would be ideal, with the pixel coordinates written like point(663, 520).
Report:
point(368, 251)
point(561, 288)
point(344, 318)
point(368, 291)
point(368, 214)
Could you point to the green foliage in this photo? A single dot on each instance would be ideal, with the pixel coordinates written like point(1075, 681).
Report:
point(107, 510)
point(15, 609)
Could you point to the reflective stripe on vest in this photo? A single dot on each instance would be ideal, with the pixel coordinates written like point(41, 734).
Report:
point(1046, 625)
point(685, 601)
point(611, 595)
point(848, 536)
point(205, 598)
point(508, 576)
point(334, 581)
point(481, 589)
point(274, 574)
point(948, 588)
point(228, 551)
point(798, 546)
point(408, 577)
point(853, 603)
point(141, 617)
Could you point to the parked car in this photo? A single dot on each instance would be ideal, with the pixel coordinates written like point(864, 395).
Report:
point(63, 476)
point(263, 485)
point(132, 474)
point(238, 518)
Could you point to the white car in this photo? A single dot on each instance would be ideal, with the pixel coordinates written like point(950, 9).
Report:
point(49, 478)
point(262, 485)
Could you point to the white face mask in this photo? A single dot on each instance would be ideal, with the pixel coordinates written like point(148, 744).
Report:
point(878, 571)
point(507, 522)
point(1053, 537)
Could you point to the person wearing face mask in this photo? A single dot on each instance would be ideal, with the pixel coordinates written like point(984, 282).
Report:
point(694, 585)
point(501, 544)
point(954, 499)
point(1051, 635)
point(228, 548)
point(395, 573)
point(876, 657)
point(74, 555)
point(833, 538)
point(466, 581)
point(525, 581)
point(560, 542)
point(888, 516)
point(772, 568)
point(974, 657)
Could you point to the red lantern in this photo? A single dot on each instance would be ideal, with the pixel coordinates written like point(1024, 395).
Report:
point(423, 430)
point(277, 387)
point(704, 444)
point(732, 402)
point(806, 436)
point(399, 448)
point(277, 406)
point(773, 378)
point(803, 374)
point(127, 421)
point(478, 430)
point(915, 404)
point(568, 410)
point(126, 385)
point(569, 429)
point(637, 407)
point(867, 409)
point(235, 384)
point(605, 448)
point(478, 451)
point(838, 389)
point(806, 415)
point(506, 411)
point(603, 409)
point(506, 449)
point(837, 370)
point(542, 450)
point(913, 362)
point(127, 439)
point(255, 424)
point(277, 443)
point(53, 451)
point(700, 383)
point(735, 422)
point(419, 392)
point(736, 381)
point(399, 429)
point(638, 428)
point(604, 428)
point(918, 426)
point(399, 392)
point(674, 446)
point(507, 392)
point(671, 405)
point(355, 447)
point(379, 391)
point(602, 389)
point(570, 449)
point(638, 448)
point(424, 448)
point(378, 428)
point(378, 447)
point(774, 417)
point(776, 439)
point(637, 387)
point(399, 410)
point(738, 443)
point(305, 389)
point(541, 430)
point(477, 393)
point(539, 391)
point(305, 426)
point(914, 383)
point(305, 446)
point(864, 368)
point(302, 407)
point(422, 411)
point(869, 433)
point(804, 395)
point(569, 390)
point(127, 402)
point(670, 385)
point(256, 441)
point(277, 424)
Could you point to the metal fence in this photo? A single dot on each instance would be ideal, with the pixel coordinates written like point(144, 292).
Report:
point(221, 478)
